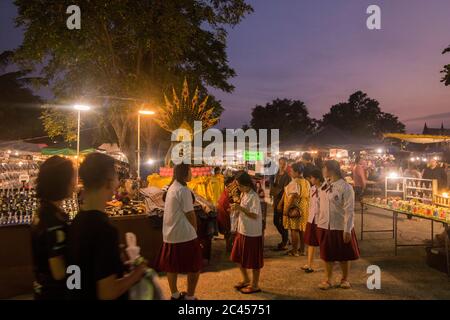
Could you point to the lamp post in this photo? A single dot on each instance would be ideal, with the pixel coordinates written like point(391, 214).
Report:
point(140, 113)
point(79, 108)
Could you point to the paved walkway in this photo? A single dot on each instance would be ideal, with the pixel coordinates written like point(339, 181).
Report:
point(405, 276)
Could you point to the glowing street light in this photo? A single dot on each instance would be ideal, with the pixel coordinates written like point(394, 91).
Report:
point(79, 108)
point(146, 112)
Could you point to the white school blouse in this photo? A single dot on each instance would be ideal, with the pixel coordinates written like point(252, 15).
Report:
point(245, 225)
point(176, 226)
point(337, 204)
point(314, 204)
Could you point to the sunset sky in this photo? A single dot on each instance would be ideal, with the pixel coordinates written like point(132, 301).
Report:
point(320, 51)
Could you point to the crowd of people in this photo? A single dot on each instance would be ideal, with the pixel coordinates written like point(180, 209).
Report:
point(315, 205)
point(313, 210)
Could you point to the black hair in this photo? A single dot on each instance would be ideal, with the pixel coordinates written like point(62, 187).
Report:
point(315, 173)
point(97, 170)
point(335, 167)
point(216, 170)
point(181, 173)
point(307, 156)
point(54, 180)
point(229, 180)
point(283, 159)
point(297, 167)
point(357, 159)
point(244, 179)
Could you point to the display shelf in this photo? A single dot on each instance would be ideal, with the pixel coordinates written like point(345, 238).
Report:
point(419, 198)
point(415, 188)
point(425, 189)
point(442, 200)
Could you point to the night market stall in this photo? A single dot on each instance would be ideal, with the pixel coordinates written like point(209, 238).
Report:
point(143, 217)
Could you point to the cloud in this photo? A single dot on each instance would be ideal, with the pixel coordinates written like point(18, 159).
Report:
point(435, 116)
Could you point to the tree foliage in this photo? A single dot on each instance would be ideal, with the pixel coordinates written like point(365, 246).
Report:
point(128, 49)
point(446, 71)
point(362, 116)
point(58, 123)
point(289, 116)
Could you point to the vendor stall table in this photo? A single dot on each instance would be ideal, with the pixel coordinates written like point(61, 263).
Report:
point(394, 229)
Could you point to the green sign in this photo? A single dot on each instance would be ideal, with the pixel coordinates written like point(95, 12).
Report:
point(253, 156)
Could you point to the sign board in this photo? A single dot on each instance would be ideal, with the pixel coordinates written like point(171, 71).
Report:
point(253, 156)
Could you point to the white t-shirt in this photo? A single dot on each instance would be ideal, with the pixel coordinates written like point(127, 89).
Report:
point(176, 226)
point(247, 226)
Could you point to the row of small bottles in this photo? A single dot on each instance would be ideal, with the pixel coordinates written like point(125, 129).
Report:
point(17, 206)
point(420, 194)
point(419, 184)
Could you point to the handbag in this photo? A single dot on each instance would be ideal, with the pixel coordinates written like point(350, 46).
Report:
point(294, 213)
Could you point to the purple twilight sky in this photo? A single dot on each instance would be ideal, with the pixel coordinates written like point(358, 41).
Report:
point(320, 51)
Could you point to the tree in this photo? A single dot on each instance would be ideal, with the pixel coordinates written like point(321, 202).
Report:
point(362, 116)
point(289, 116)
point(128, 53)
point(446, 71)
point(19, 107)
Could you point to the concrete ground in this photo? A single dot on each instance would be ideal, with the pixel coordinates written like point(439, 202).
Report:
point(405, 276)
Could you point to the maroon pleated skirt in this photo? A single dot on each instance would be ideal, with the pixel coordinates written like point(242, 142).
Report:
point(311, 236)
point(333, 248)
point(185, 257)
point(248, 251)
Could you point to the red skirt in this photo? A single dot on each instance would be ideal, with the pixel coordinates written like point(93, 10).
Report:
point(333, 248)
point(223, 217)
point(185, 257)
point(248, 251)
point(311, 237)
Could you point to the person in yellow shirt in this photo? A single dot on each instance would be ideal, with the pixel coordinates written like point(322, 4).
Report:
point(215, 187)
point(295, 206)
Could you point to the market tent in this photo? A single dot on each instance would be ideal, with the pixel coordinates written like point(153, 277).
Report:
point(417, 138)
point(21, 146)
point(64, 152)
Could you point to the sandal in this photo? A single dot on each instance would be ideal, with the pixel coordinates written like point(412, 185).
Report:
point(292, 254)
point(325, 285)
point(241, 285)
point(305, 267)
point(250, 290)
point(309, 270)
point(345, 284)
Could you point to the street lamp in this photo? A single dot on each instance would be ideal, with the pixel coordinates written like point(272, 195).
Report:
point(79, 108)
point(141, 113)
